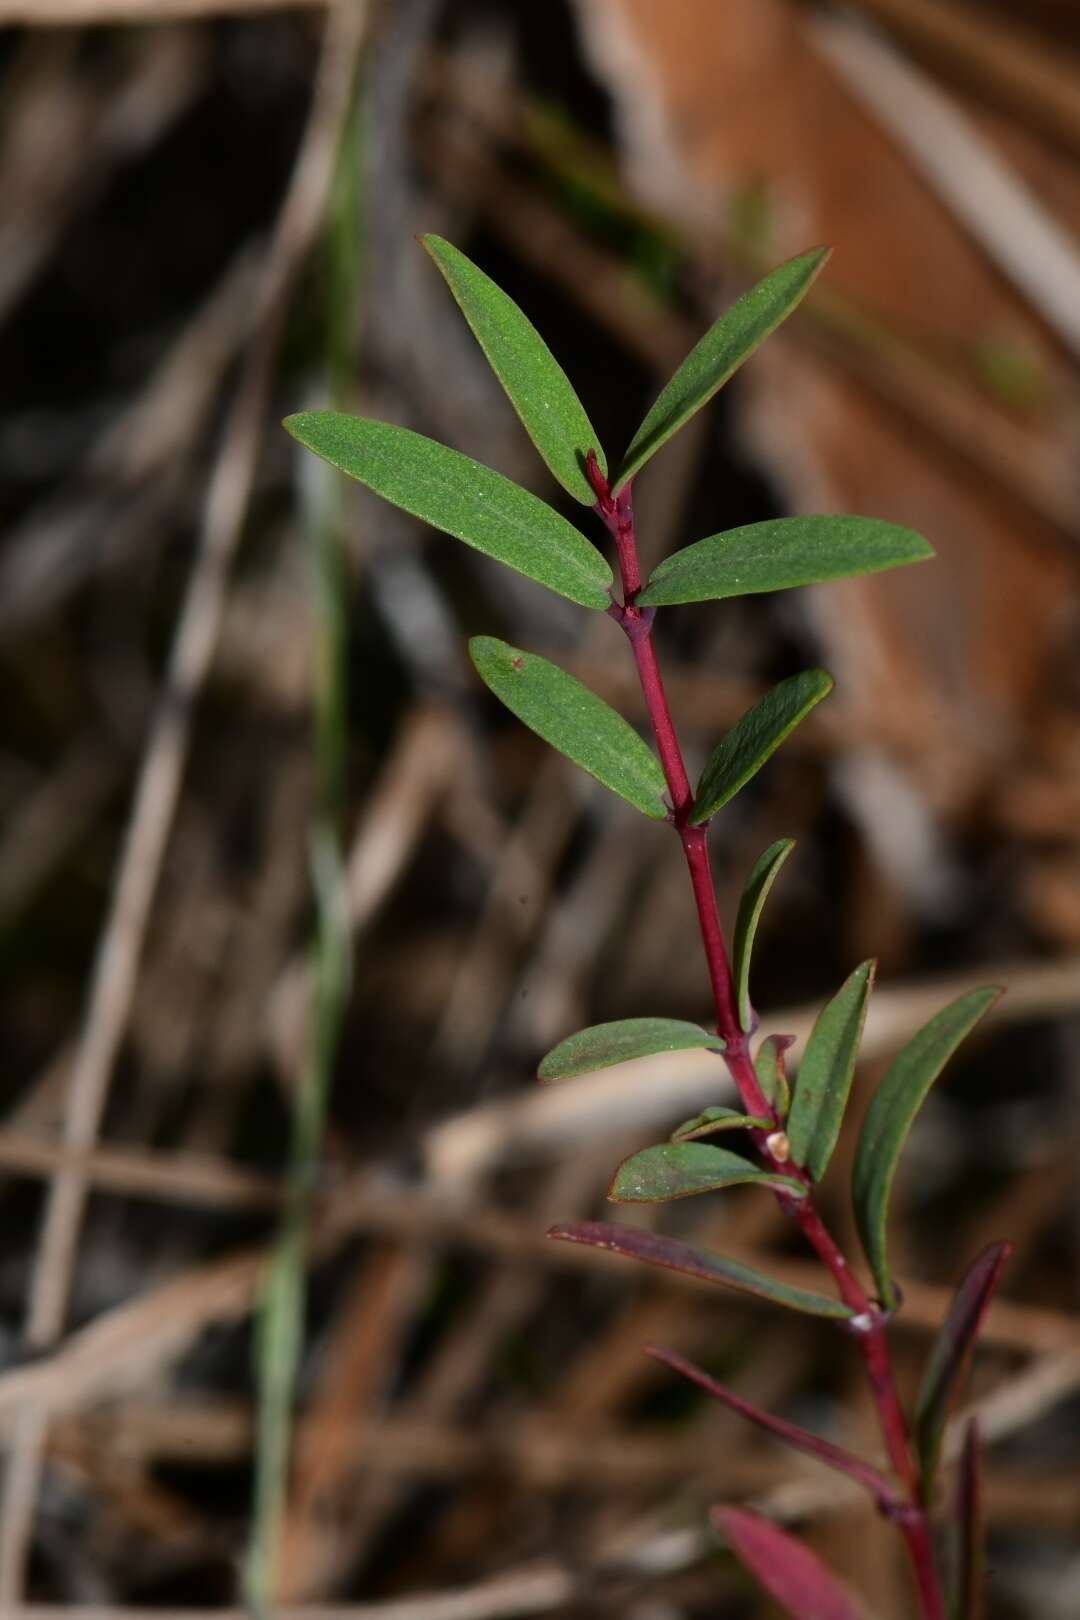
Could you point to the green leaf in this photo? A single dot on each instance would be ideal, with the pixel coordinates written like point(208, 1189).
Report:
point(702, 1264)
point(769, 1069)
point(751, 904)
point(754, 738)
point(574, 721)
point(681, 1169)
point(602, 1045)
point(535, 383)
point(780, 554)
point(462, 498)
point(824, 1079)
point(888, 1119)
point(712, 1120)
point(727, 343)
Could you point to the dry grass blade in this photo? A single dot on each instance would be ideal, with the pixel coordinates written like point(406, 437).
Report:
point(134, 1341)
point(43, 184)
point(102, 13)
point(1008, 61)
point(158, 786)
point(141, 457)
point(412, 784)
point(1007, 220)
point(537, 1590)
point(653, 1090)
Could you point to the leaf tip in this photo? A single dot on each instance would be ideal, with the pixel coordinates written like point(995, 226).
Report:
point(437, 248)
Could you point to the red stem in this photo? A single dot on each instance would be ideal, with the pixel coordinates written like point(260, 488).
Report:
point(868, 1323)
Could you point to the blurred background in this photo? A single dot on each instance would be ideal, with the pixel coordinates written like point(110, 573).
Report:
point(241, 747)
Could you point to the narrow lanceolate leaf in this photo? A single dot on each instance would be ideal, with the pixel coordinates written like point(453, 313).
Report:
point(712, 1120)
point(603, 1045)
point(672, 1255)
point(535, 383)
point(728, 342)
point(574, 721)
point(802, 1585)
point(755, 738)
point(824, 1079)
point(812, 1445)
point(462, 498)
point(751, 905)
point(967, 1532)
point(897, 1100)
point(771, 1074)
point(656, 1175)
point(950, 1355)
point(781, 554)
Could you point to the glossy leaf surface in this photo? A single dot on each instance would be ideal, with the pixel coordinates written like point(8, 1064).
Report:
point(535, 383)
point(771, 1074)
point(602, 1045)
point(672, 1255)
point(791, 1574)
point(897, 1100)
point(728, 342)
point(574, 721)
point(823, 1082)
point(754, 738)
point(779, 555)
point(461, 497)
point(671, 1170)
point(751, 905)
point(712, 1120)
point(950, 1355)
point(811, 1445)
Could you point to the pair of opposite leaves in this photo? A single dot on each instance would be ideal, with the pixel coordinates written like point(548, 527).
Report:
point(686, 1166)
point(508, 523)
point(495, 516)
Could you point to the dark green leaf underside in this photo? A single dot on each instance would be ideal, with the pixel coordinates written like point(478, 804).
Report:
point(461, 497)
point(574, 721)
point(755, 737)
point(779, 555)
point(669, 1253)
point(712, 1120)
point(949, 1357)
point(535, 383)
point(603, 1045)
point(751, 905)
point(724, 347)
point(967, 1538)
point(683, 1169)
point(823, 1082)
point(897, 1100)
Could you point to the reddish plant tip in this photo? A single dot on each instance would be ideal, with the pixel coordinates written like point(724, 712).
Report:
point(597, 482)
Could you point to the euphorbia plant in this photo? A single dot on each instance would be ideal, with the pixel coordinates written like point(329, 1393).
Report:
point(787, 1129)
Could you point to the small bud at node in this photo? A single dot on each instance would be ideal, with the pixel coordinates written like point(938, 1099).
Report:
point(779, 1146)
